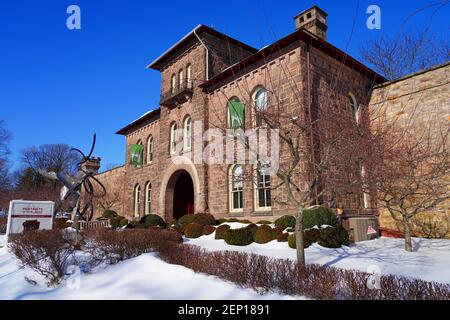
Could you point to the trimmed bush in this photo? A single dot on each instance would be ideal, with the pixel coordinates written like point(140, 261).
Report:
point(109, 214)
point(186, 219)
point(333, 237)
point(265, 234)
point(264, 222)
point(3, 222)
point(152, 220)
point(283, 237)
point(239, 237)
point(285, 222)
point(253, 228)
point(123, 222)
point(201, 218)
point(193, 230)
point(207, 230)
point(60, 223)
point(290, 230)
point(221, 230)
point(291, 241)
point(221, 221)
point(310, 236)
point(319, 216)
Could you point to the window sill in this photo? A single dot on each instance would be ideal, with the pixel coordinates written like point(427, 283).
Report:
point(262, 213)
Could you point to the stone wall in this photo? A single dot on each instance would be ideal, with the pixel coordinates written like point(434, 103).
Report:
point(423, 96)
point(114, 182)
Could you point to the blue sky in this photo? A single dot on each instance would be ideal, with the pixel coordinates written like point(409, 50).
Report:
point(61, 86)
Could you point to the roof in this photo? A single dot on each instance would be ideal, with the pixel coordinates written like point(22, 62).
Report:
point(308, 37)
point(158, 62)
point(146, 117)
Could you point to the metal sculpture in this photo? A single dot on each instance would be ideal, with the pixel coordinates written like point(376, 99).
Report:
point(82, 181)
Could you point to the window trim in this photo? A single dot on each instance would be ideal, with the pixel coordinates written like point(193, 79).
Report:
point(231, 191)
point(189, 74)
point(256, 90)
point(137, 201)
point(149, 153)
point(256, 194)
point(185, 139)
point(180, 78)
point(148, 200)
point(173, 138)
point(173, 82)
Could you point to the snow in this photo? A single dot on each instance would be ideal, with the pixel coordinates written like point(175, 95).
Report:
point(430, 260)
point(144, 277)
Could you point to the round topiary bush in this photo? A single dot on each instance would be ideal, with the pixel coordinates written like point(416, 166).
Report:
point(283, 237)
point(333, 237)
point(319, 216)
point(239, 237)
point(193, 230)
point(123, 222)
point(221, 221)
point(221, 230)
point(204, 218)
point(285, 222)
point(265, 234)
point(114, 221)
point(291, 241)
point(310, 236)
point(152, 220)
point(186, 219)
point(207, 230)
point(109, 214)
point(253, 228)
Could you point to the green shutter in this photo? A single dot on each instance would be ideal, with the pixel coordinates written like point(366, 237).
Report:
point(136, 152)
point(236, 114)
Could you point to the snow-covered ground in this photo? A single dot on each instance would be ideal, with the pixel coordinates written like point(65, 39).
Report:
point(144, 277)
point(430, 260)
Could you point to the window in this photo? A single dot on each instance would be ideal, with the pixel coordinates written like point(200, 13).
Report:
point(137, 200)
point(187, 136)
point(180, 79)
point(150, 149)
point(173, 138)
point(148, 198)
point(260, 103)
point(235, 113)
point(353, 107)
point(189, 75)
point(236, 189)
point(263, 189)
point(173, 83)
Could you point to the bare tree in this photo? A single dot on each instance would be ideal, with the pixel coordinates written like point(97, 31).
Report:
point(406, 53)
point(5, 178)
point(410, 167)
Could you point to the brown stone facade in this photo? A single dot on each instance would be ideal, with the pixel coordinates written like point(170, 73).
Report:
point(421, 96)
point(234, 70)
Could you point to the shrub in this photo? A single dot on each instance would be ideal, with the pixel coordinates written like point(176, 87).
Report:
point(221, 230)
point(207, 230)
point(123, 222)
point(109, 214)
point(264, 234)
point(253, 228)
point(60, 223)
point(291, 241)
point(3, 223)
point(264, 222)
point(193, 230)
point(333, 237)
point(152, 220)
point(44, 251)
point(318, 216)
point(115, 221)
point(221, 221)
point(282, 237)
point(239, 237)
point(290, 230)
point(310, 236)
point(200, 218)
point(285, 222)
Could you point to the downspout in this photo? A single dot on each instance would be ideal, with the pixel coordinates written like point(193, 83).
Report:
point(207, 54)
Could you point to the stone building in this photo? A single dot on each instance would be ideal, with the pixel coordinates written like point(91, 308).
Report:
point(201, 75)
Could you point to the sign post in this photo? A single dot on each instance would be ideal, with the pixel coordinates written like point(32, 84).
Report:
point(26, 215)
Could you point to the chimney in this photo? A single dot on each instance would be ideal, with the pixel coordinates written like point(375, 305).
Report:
point(92, 165)
point(314, 20)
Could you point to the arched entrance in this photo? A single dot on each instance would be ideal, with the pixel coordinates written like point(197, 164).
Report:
point(179, 195)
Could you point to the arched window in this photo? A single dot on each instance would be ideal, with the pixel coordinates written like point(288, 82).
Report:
point(148, 198)
point(236, 188)
point(236, 111)
point(180, 79)
point(173, 138)
point(173, 83)
point(263, 195)
point(189, 75)
point(353, 104)
point(137, 200)
point(260, 104)
point(150, 149)
point(187, 136)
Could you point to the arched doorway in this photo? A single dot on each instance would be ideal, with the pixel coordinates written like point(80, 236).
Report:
point(179, 195)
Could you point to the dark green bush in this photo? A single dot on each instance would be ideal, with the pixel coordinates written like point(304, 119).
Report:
point(319, 216)
point(233, 220)
point(151, 220)
point(114, 221)
point(239, 237)
point(333, 237)
point(201, 218)
point(186, 219)
point(221, 230)
point(193, 230)
point(123, 222)
point(264, 222)
point(291, 241)
point(207, 229)
point(253, 228)
point(265, 234)
point(221, 221)
point(290, 230)
point(310, 236)
point(109, 214)
point(285, 222)
point(282, 237)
